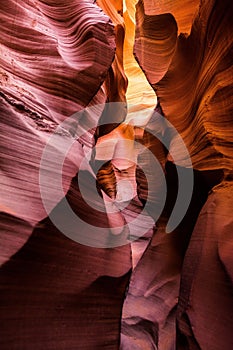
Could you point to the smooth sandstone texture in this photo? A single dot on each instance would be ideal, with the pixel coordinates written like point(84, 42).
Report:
point(55, 292)
point(63, 57)
point(195, 92)
point(205, 307)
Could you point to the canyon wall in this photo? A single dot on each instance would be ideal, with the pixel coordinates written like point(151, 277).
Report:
point(87, 89)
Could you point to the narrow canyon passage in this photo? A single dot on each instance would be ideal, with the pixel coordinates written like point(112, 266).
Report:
point(116, 175)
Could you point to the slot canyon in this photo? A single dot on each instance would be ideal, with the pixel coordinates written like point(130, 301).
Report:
point(116, 175)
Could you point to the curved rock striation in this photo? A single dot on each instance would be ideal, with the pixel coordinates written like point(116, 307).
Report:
point(192, 77)
point(55, 292)
point(116, 82)
point(155, 41)
point(51, 51)
point(196, 90)
point(184, 14)
point(64, 146)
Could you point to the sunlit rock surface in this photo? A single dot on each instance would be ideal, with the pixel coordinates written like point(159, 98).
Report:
point(126, 283)
point(196, 90)
point(195, 94)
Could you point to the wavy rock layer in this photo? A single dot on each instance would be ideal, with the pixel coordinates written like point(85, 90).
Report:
point(184, 14)
point(155, 39)
point(43, 56)
point(62, 57)
point(55, 292)
point(194, 87)
point(196, 91)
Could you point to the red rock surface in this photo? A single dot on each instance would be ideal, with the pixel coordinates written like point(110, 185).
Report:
point(134, 286)
point(196, 90)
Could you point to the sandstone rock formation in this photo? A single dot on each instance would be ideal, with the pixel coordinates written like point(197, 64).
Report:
point(90, 91)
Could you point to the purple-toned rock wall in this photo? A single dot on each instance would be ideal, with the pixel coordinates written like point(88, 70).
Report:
point(116, 128)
